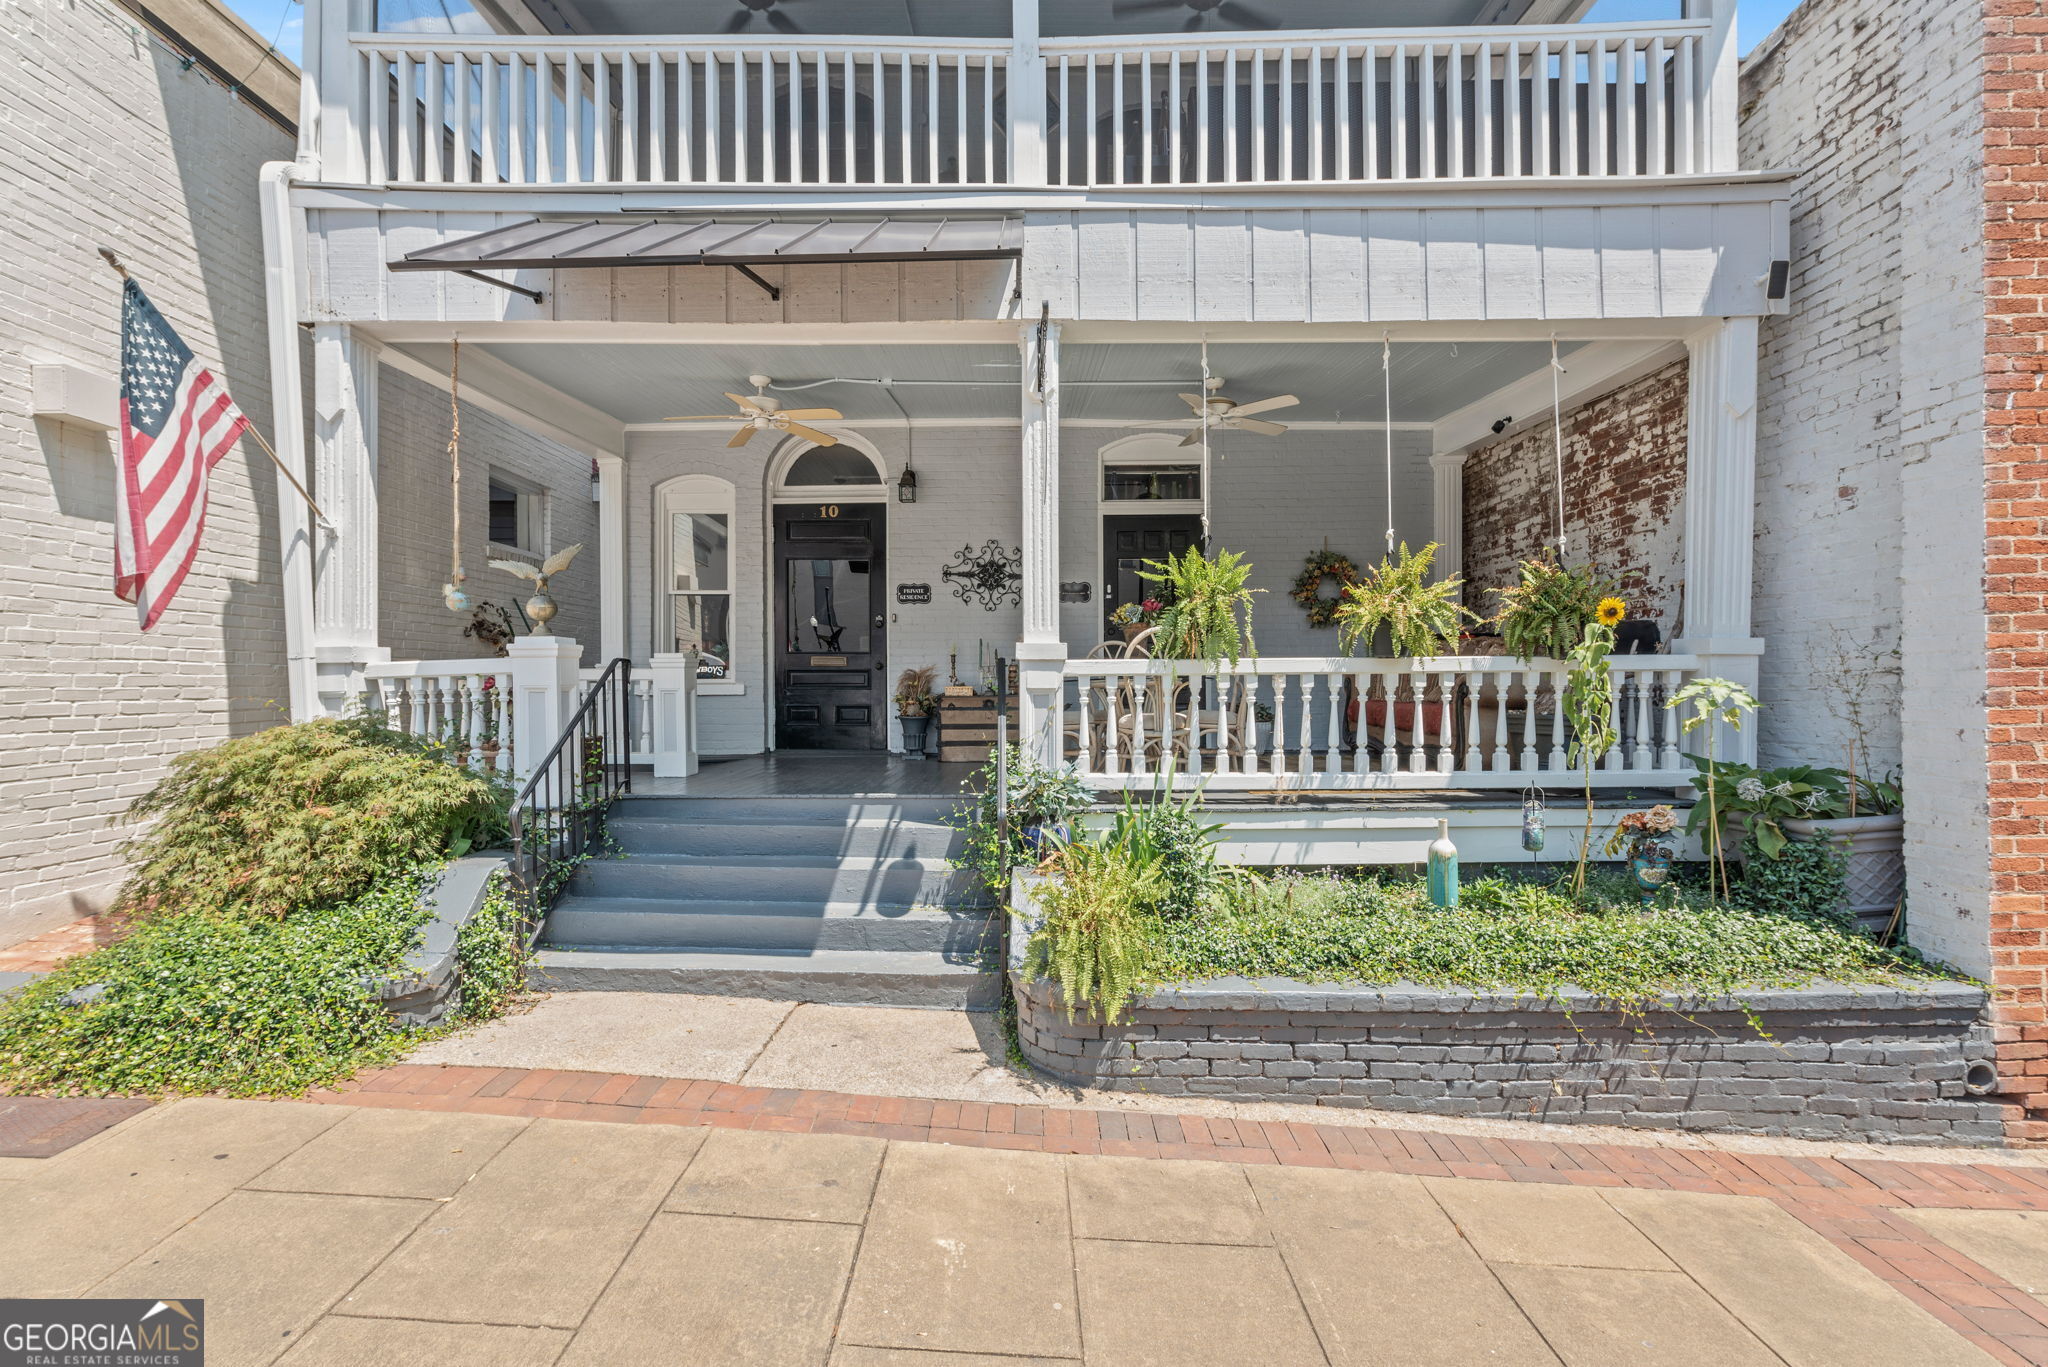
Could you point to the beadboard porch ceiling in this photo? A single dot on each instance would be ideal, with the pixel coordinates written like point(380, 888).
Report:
point(1336, 382)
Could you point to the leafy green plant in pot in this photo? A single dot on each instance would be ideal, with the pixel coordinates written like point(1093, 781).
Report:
point(1545, 614)
point(1868, 829)
point(1203, 597)
point(1043, 801)
point(1397, 596)
point(916, 696)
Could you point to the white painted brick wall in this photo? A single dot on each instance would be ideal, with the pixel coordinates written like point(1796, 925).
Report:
point(108, 141)
point(1871, 404)
point(413, 501)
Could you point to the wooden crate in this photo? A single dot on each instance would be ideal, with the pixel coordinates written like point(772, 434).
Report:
point(967, 728)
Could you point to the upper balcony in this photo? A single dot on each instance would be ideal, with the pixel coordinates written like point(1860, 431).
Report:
point(1063, 95)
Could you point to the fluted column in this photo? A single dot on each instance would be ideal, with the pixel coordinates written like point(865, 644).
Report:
point(345, 565)
point(1041, 654)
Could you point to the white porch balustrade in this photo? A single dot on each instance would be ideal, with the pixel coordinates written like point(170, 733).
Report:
point(502, 715)
point(1305, 107)
point(1351, 724)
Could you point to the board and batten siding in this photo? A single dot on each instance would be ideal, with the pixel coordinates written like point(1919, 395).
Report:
point(1413, 263)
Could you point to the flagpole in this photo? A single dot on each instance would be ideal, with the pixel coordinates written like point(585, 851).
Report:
point(250, 429)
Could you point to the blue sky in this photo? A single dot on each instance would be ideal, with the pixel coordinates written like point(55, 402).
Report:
point(1756, 17)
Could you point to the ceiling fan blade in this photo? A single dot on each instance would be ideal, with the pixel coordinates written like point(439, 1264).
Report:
point(743, 436)
point(811, 434)
point(700, 417)
point(1196, 402)
point(1245, 15)
point(739, 21)
point(1271, 429)
point(1193, 438)
point(827, 414)
point(1128, 9)
point(781, 22)
point(1263, 405)
point(748, 402)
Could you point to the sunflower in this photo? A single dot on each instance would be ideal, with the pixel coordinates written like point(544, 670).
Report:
point(1611, 611)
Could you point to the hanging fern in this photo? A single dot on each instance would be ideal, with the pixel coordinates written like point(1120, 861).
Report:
point(1420, 617)
point(1204, 596)
point(1093, 941)
point(1545, 615)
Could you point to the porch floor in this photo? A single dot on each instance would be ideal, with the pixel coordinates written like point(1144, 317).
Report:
point(811, 774)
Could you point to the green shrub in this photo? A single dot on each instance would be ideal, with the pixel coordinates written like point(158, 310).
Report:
point(1040, 795)
point(302, 817)
point(1169, 835)
point(1807, 878)
point(1092, 939)
point(491, 950)
point(241, 1005)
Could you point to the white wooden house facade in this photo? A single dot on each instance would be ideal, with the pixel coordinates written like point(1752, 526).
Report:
point(1399, 226)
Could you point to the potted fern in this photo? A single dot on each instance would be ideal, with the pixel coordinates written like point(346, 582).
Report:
point(1397, 596)
point(1546, 613)
point(915, 698)
point(1203, 596)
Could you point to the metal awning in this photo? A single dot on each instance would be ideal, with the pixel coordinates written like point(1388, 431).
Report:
point(546, 244)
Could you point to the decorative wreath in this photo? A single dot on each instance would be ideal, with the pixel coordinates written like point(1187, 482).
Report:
point(1321, 567)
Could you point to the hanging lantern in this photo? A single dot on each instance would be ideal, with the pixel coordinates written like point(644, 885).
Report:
point(1532, 820)
point(906, 487)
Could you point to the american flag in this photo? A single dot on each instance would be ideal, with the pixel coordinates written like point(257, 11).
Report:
point(176, 422)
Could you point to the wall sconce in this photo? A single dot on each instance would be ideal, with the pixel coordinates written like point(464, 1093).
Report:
point(906, 487)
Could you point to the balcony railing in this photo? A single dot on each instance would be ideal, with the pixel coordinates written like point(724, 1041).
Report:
point(1247, 109)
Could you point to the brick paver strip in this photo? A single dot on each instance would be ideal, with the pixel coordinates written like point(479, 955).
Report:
point(44, 1126)
point(1850, 1202)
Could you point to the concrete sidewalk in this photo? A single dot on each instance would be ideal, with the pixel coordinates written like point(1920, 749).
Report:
point(335, 1234)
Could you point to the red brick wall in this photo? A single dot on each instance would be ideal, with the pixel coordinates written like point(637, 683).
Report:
point(2016, 539)
point(1624, 480)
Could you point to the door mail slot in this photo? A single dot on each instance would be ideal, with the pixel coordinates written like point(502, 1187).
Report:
point(825, 678)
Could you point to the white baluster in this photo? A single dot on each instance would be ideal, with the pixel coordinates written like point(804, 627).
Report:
point(657, 117)
point(1532, 682)
point(1112, 702)
point(1390, 740)
point(1333, 730)
point(1655, 162)
point(1277, 759)
point(1626, 88)
point(1560, 739)
point(1611, 761)
point(1640, 754)
point(1446, 716)
point(1468, 759)
point(1667, 747)
point(686, 116)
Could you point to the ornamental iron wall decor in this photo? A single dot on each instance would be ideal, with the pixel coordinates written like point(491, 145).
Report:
point(991, 576)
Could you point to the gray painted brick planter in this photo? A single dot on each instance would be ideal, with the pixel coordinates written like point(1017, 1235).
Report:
point(1858, 1062)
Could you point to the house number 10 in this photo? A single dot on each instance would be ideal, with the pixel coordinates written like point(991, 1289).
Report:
point(828, 510)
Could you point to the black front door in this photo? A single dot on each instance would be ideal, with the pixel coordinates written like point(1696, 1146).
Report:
point(1128, 541)
point(829, 627)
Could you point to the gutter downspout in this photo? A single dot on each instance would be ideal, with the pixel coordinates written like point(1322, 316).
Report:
point(281, 276)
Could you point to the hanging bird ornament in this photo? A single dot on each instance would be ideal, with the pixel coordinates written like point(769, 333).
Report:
point(540, 607)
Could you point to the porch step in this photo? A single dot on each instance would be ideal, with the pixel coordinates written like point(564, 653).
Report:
point(864, 838)
point(816, 879)
point(647, 922)
point(852, 899)
point(839, 977)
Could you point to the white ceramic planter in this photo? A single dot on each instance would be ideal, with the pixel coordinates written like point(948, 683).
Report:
point(1874, 847)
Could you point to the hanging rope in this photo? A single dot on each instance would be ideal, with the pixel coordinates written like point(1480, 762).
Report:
point(452, 593)
point(1205, 442)
point(1557, 437)
point(1387, 379)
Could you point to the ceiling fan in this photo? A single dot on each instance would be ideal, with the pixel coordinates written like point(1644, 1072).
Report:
point(1198, 11)
point(767, 11)
point(1214, 410)
point(763, 412)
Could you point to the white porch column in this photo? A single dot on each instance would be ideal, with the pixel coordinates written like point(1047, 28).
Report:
point(1720, 71)
point(1025, 89)
point(282, 279)
point(1449, 507)
point(1041, 654)
point(345, 570)
point(544, 676)
point(1720, 513)
point(611, 557)
point(673, 727)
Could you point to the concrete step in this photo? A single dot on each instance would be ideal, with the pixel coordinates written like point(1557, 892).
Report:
point(840, 977)
point(883, 838)
point(645, 922)
point(875, 883)
point(780, 810)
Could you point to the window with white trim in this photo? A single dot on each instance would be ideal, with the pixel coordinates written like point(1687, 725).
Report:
point(518, 514)
point(695, 539)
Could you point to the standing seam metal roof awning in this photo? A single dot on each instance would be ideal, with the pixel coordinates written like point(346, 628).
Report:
point(599, 242)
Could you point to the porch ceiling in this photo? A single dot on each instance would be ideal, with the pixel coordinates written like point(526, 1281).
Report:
point(951, 18)
point(647, 382)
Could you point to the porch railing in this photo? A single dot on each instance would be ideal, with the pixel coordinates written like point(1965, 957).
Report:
point(1310, 107)
point(1343, 106)
point(1341, 723)
point(463, 704)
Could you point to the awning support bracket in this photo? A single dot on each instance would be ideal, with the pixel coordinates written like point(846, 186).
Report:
point(770, 290)
point(535, 295)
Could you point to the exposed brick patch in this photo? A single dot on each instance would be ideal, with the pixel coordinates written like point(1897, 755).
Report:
point(46, 951)
point(43, 1126)
point(1624, 479)
point(2016, 540)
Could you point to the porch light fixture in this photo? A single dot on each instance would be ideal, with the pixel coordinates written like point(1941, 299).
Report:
point(906, 487)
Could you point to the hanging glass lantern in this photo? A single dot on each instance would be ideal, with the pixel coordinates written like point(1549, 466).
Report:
point(1532, 819)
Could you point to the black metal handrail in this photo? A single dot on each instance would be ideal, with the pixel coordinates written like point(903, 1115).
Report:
point(560, 812)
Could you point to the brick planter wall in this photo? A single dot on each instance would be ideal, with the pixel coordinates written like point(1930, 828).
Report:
point(1842, 1062)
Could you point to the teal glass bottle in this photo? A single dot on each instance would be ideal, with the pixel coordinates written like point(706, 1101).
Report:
point(1443, 867)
